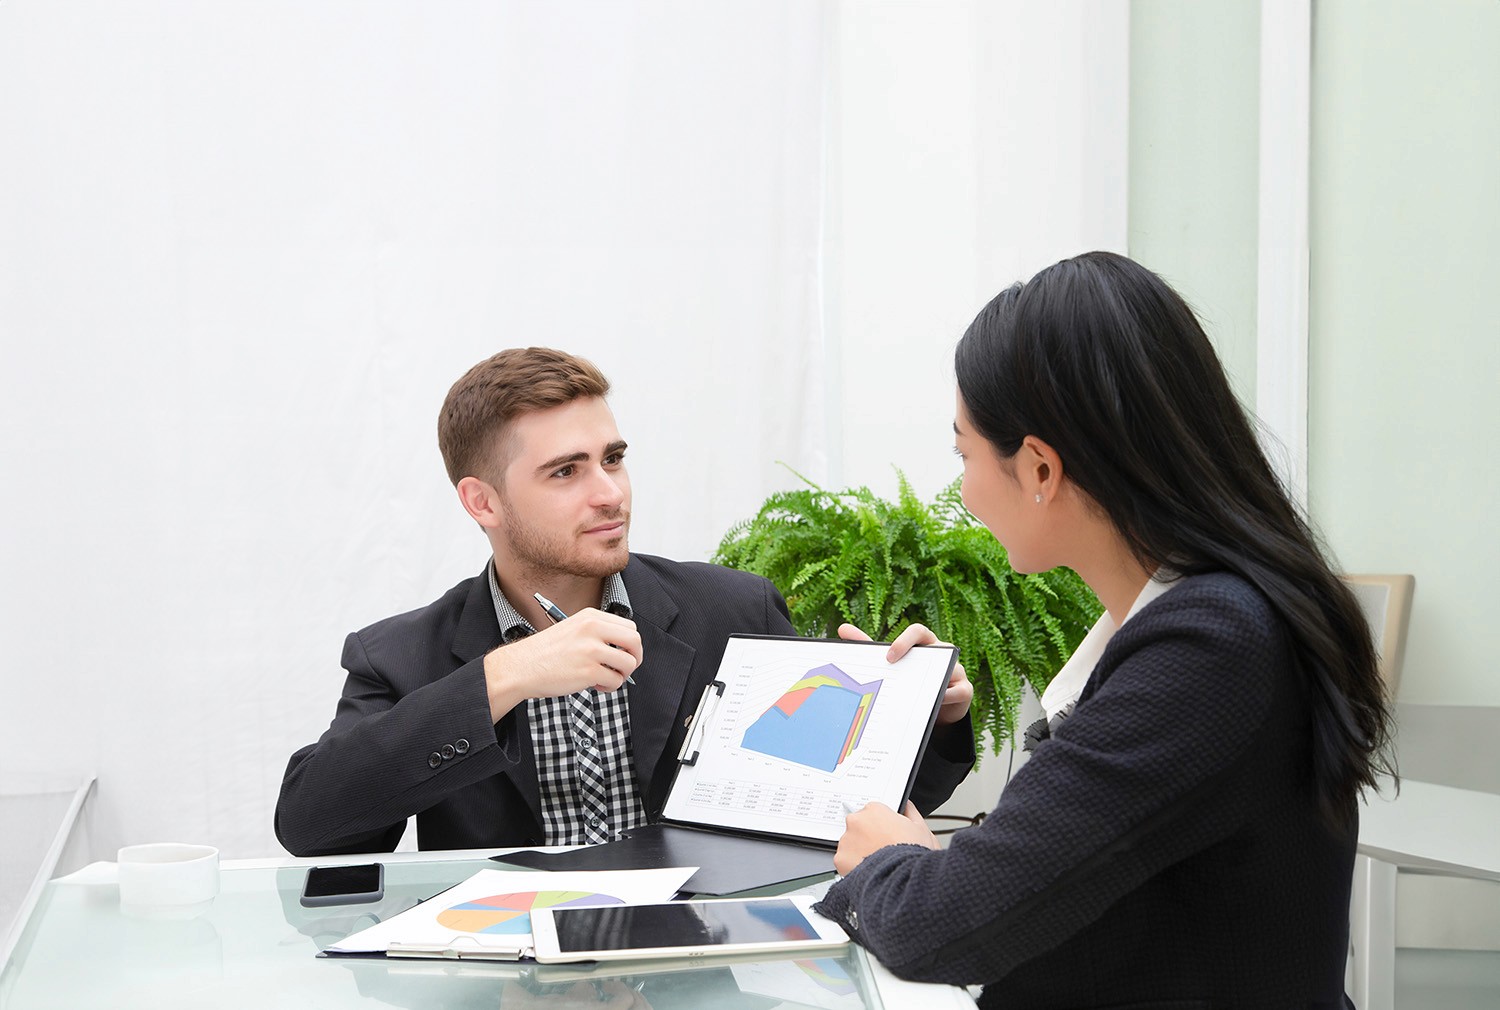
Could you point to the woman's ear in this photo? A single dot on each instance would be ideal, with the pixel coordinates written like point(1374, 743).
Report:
point(1039, 468)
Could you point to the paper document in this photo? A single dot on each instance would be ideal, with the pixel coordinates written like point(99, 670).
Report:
point(794, 729)
point(489, 915)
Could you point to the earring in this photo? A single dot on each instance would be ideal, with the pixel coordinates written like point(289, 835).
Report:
point(1038, 499)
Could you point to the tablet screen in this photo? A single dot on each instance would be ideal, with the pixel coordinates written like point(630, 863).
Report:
point(680, 924)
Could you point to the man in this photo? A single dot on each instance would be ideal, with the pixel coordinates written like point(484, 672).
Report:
point(496, 726)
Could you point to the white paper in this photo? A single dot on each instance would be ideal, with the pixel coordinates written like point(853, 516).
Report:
point(490, 912)
point(804, 727)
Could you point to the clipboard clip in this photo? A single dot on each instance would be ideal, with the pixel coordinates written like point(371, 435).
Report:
point(692, 745)
point(455, 952)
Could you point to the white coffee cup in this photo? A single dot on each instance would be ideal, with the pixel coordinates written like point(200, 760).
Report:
point(171, 877)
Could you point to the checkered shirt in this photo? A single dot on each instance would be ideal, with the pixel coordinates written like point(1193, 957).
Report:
point(582, 744)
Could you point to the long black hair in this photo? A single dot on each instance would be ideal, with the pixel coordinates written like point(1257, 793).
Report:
point(1101, 359)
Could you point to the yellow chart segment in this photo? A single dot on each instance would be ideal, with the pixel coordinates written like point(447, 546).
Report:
point(857, 726)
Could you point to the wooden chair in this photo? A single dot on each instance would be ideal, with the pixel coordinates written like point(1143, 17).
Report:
point(1386, 601)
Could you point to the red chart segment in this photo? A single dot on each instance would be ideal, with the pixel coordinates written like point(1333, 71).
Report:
point(511, 913)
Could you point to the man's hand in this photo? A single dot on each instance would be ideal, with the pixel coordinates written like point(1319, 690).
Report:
point(877, 826)
point(590, 649)
point(959, 692)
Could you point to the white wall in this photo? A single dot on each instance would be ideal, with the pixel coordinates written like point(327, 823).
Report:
point(1402, 360)
point(244, 252)
point(1405, 361)
point(1194, 118)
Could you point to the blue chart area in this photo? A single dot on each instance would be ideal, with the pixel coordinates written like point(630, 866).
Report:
point(818, 721)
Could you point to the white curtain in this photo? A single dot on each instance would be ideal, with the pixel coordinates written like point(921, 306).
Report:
point(246, 248)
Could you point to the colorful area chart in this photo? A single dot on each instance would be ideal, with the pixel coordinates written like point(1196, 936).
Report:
point(511, 913)
point(817, 722)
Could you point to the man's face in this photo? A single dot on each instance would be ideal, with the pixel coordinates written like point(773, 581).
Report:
point(565, 495)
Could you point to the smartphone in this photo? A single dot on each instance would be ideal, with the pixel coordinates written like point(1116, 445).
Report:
point(343, 885)
point(683, 929)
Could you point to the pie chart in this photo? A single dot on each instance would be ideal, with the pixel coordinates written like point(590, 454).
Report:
point(511, 913)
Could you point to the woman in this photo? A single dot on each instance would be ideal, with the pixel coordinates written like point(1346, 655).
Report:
point(1185, 837)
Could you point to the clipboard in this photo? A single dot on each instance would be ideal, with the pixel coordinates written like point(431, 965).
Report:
point(789, 734)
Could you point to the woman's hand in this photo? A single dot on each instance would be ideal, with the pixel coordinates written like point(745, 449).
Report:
point(877, 826)
point(959, 692)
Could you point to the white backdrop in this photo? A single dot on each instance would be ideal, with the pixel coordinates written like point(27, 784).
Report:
point(244, 250)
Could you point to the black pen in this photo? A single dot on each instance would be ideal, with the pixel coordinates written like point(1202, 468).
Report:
point(555, 613)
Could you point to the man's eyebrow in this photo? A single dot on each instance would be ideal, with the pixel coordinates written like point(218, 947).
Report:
point(560, 461)
point(555, 462)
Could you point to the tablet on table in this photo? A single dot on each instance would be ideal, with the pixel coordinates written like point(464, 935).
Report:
point(684, 929)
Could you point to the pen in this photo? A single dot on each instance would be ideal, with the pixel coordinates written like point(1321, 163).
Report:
point(550, 608)
point(555, 613)
point(849, 807)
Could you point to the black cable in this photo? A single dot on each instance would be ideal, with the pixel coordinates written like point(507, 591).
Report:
point(963, 822)
point(977, 819)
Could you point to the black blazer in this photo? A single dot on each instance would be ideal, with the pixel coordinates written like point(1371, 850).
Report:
point(412, 734)
point(1163, 849)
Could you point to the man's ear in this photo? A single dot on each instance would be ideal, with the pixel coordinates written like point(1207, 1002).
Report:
point(481, 501)
point(1039, 468)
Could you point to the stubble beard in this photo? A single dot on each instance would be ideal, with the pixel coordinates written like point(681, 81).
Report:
point(543, 553)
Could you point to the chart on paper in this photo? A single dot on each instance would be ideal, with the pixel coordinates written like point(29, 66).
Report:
point(817, 721)
point(802, 727)
point(491, 911)
point(511, 913)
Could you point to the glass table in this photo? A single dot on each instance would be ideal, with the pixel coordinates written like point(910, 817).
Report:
point(257, 946)
point(38, 813)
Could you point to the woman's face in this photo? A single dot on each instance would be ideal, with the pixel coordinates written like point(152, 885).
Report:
point(992, 490)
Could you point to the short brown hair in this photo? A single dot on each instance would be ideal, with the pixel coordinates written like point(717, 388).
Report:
point(498, 390)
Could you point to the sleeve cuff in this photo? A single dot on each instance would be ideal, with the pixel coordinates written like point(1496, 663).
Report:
point(841, 903)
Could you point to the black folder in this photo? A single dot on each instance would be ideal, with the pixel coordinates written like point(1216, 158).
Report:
point(727, 863)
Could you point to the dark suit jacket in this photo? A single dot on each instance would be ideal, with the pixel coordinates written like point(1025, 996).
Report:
point(1163, 849)
point(412, 734)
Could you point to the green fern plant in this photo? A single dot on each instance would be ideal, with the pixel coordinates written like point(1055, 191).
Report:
point(852, 556)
